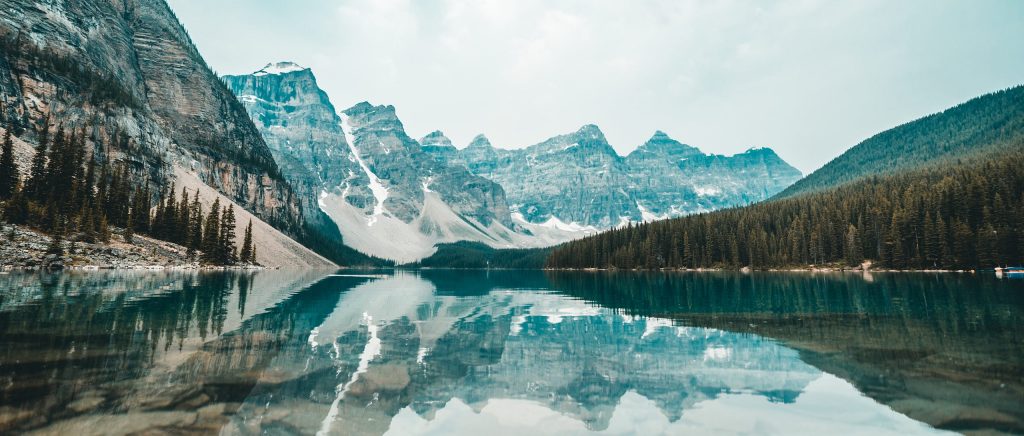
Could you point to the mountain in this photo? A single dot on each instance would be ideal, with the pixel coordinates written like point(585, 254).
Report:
point(360, 172)
point(671, 179)
point(393, 197)
point(299, 124)
point(127, 73)
point(578, 179)
point(990, 123)
point(947, 216)
point(959, 206)
point(303, 131)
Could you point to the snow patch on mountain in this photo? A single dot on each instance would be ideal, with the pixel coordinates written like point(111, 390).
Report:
point(648, 216)
point(557, 224)
point(707, 191)
point(380, 192)
point(279, 68)
point(391, 238)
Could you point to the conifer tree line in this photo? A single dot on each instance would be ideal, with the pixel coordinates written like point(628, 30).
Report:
point(953, 216)
point(68, 194)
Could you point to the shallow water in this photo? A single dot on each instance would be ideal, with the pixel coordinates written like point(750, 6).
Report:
point(288, 352)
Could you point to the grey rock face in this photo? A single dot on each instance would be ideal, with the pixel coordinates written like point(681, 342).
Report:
point(408, 171)
point(435, 143)
point(303, 131)
point(578, 177)
point(575, 177)
point(306, 135)
point(144, 91)
point(672, 179)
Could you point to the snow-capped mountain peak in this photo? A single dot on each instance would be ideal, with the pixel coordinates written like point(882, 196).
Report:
point(279, 68)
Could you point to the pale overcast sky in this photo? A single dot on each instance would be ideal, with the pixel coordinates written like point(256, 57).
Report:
point(806, 78)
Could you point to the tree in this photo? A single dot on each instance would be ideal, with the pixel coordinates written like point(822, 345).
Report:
point(211, 235)
point(129, 231)
point(35, 184)
point(182, 234)
point(8, 168)
point(956, 215)
point(196, 221)
point(245, 255)
point(228, 253)
point(852, 244)
point(17, 208)
point(56, 246)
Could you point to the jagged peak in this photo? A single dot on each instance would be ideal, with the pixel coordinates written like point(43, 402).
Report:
point(359, 108)
point(660, 142)
point(275, 68)
point(480, 141)
point(659, 136)
point(436, 138)
point(592, 131)
point(760, 151)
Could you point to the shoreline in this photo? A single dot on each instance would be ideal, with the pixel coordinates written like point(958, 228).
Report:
point(27, 249)
point(740, 270)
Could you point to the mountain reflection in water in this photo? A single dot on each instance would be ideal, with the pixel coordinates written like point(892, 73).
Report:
point(441, 352)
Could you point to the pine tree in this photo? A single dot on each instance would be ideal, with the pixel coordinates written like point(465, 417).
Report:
point(35, 185)
point(956, 215)
point(54, 188)
point(56, 246)
point(852, 246)
point(16, 210)
point(104, 229)
point(227, 236)
point(129, 231)
point(211, 235)
point(245, 255)
point(196, 221)
point(87, 225)
point(159, 224)
point(182, 234)
point(8, 168)
point(88, 185)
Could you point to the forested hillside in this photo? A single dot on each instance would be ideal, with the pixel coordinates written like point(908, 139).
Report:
point(966, 214)
point(990, 123)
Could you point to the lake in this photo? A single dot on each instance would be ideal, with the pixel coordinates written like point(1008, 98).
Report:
point(509, 353)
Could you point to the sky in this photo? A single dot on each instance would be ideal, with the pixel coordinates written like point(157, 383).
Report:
point(807, 78)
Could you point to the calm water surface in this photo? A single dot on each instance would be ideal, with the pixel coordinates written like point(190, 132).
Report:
point(286, 352)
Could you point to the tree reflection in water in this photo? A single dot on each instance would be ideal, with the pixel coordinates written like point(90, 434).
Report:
point(294, 352)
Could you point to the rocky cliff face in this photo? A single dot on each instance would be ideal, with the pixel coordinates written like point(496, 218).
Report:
point(574, 177)
point(578, 178)
point(303, 130)
point(409, 173)
point(384, 192)
point(671, 179)
point(127, 71)
point(396, 198)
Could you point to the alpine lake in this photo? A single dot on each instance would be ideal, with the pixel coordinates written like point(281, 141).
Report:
point(509, 353)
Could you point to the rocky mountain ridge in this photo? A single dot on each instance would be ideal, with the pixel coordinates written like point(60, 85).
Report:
point(579, 178)
point(128, 74)
point(397, 198)
point(387, 196)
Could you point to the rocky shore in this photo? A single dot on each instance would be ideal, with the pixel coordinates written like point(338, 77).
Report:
point(25, 248)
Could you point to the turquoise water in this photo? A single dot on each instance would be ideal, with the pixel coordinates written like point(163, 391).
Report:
point(443, 352)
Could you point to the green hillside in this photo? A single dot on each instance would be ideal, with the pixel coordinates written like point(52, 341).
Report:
point(990, 123)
